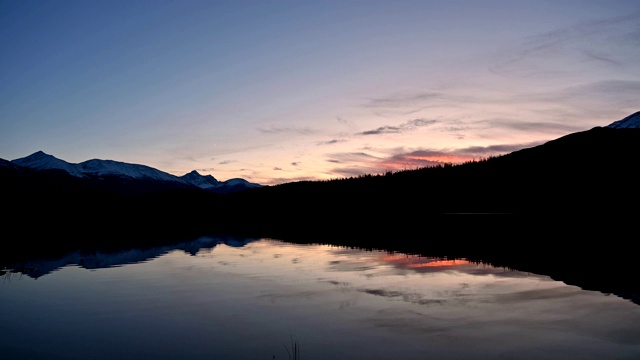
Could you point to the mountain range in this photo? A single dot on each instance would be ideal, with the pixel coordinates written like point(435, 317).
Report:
point(129, 178)
point(583, 178)
point(567, 208)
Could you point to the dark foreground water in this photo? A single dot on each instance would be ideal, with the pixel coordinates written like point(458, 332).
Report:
point(253, 299)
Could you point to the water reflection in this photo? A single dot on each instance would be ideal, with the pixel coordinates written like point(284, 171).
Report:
point(101, 259)
point(228, 299)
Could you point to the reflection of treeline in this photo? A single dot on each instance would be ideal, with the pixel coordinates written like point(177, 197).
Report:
point(570, 186)
point(565, 208)
point(568, 208)
point(600, 261)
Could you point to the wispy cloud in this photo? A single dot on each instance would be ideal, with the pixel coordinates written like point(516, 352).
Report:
point(407, 126)
point(579, 104)
point(287, 130)
point(331, 142)
point(601, 57)
point(354, 171)
point(382, 130)
point(228, 149)
point(617, 86)
point(353, 164)
point(245, 173)
point(225, 162)
point(402, 104)
point(478, 152)
point(540, 127)
point(401, 101)
point(421, 158)
point(356, 164)
point(351, 157)
point(605, 42)
point(343, 121)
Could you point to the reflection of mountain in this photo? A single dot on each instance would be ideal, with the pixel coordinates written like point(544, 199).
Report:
point(566, 208)
point(102, 259)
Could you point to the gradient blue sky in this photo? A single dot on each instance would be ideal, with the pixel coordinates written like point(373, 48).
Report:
point(279, 91)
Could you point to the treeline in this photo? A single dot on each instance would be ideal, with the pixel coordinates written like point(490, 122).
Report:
point(567, 186)
point(570, 204)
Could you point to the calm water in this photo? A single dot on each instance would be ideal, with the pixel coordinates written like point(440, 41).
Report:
point(250, 300)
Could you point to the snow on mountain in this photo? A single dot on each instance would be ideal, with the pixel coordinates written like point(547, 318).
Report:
point(203, 182)
point(110, 167)
point(100, 168)
point(238, 181)
point(210, 183)
point(630, 122)
point(41, 161)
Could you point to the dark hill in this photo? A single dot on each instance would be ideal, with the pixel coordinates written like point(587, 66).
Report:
point(582, 174)
point(590, 173)
point(567, 208)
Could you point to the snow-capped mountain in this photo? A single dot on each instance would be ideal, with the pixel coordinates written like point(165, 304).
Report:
point(210, 183)
point(630, 122)
point(204, 182)
point(101, 169)
point(109, 167)
point(42, 161)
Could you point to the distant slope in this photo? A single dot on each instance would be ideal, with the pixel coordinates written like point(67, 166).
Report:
point(567, 208)
point(590, 173)
point(585, 174)
point(94, 168)
point(125, 178)
point(630, 122)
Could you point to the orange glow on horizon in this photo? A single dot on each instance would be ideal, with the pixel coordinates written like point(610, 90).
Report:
point(438, 263)
point(441, 158)
point(415, 262)
point(417, 161)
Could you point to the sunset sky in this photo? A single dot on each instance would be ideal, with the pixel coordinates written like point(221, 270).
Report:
point(279, 91)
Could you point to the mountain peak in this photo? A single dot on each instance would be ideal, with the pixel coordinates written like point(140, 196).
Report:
point(201, 181)
point(630, 122)
point(38, 155)
point(40, 160)
point(97, 168)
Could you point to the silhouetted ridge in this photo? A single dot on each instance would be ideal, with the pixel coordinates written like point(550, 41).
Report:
point(568, 203)
point(579, 174)
point(122, 178)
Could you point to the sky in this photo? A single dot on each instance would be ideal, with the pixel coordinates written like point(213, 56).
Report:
point(282, 91)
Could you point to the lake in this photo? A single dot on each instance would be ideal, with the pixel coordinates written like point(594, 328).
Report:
point(230, 298)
